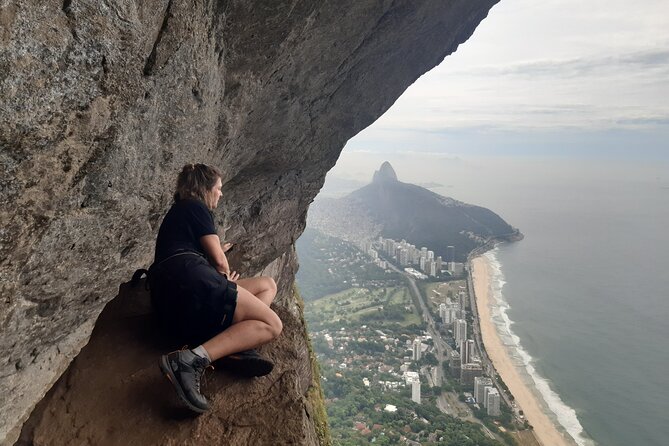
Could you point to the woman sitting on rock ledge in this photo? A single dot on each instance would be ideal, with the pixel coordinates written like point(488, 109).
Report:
point(199, 300)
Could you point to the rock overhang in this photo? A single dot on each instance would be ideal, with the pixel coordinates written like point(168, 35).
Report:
point(102, 103)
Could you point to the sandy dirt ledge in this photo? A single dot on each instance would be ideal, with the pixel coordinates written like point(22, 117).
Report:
point(546, 432)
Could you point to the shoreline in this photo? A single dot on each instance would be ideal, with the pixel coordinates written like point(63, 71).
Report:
point(545, 429)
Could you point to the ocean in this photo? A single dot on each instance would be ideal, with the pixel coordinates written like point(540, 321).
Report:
point(584, 298)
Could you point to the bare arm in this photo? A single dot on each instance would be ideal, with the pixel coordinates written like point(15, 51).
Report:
point(212, 246)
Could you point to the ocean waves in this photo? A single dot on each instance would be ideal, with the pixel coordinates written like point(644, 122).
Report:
point(557, 409)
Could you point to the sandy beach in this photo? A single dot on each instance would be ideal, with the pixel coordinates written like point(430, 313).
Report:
point(544, 429)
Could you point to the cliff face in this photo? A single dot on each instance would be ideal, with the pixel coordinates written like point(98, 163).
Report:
point(102, 102)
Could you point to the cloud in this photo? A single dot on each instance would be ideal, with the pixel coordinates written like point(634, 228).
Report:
point(650, 121)
point(639, 60)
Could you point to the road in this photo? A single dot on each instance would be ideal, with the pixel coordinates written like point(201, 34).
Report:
point(442, 349)
point(487, 363)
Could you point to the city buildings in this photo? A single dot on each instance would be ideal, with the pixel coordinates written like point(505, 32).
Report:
point(432, 268)
point(416, 346)
point(491, 401)
point(454, 364)
point(415, 389)
point(466, 350)
point(443, 309)
point(407, 254)
point(468, 372)
point(459, 330)
point(480, 383)
point(403, 256)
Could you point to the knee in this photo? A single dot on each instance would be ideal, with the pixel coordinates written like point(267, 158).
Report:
point(275, 326)
point(270, 285)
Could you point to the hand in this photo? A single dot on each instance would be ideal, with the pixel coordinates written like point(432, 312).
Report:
point(233, 276)
point(227, 246)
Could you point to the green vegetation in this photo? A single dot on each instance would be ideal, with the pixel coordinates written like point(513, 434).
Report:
point(361, 356)
point(353, 405)
point(329, 265)
point(387, 306)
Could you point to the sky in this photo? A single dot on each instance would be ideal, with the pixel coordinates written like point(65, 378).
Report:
point(549, 78)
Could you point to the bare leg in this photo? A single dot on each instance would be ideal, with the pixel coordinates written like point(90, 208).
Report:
point(253, 324)
point(263, 287)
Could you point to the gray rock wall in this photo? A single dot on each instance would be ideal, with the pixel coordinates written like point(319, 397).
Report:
point(103, 101)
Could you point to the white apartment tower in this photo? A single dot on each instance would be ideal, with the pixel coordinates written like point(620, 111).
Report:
point(480, 383)
point(415, 390)
point(390, 246)
point(466, 350)
point(442, 313)
point(416, 350)
point(432, 268)
point(460, 331)
point(492, 401)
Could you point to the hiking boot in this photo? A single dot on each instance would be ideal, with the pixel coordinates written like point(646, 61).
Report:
point(247, 363)
point(184, 369)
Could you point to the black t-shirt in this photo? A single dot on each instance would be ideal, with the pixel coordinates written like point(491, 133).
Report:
point(185, 222)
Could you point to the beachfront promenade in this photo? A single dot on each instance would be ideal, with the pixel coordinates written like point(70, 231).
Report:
point(487, 363)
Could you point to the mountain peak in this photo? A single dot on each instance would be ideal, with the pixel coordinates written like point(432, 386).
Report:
point(385, 173)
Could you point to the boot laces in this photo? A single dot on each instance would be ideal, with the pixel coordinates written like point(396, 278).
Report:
point(201, 365)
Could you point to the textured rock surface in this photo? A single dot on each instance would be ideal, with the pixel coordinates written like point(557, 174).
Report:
point(133, 404)
point(103, 101)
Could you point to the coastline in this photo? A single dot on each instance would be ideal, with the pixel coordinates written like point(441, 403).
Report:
point(545, 429)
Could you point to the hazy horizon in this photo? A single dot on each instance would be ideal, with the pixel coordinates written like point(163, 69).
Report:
point(559, 78)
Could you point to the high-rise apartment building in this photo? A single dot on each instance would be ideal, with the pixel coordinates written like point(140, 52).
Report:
point(460, 330)
point(403, 256)
point(432, 268)
point(416, 350)
point(415, 254)
point(442, 313)
point(415, 390)
point(453, 313)
point(491, 401)
point(468, 372)
point(454, 364)
point(480, 383)
point(466, 350)
point(390, 246)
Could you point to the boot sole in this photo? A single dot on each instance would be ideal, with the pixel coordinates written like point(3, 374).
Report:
point(169, 374)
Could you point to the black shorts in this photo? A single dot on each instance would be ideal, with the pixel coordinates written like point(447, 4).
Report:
point(192, 299)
